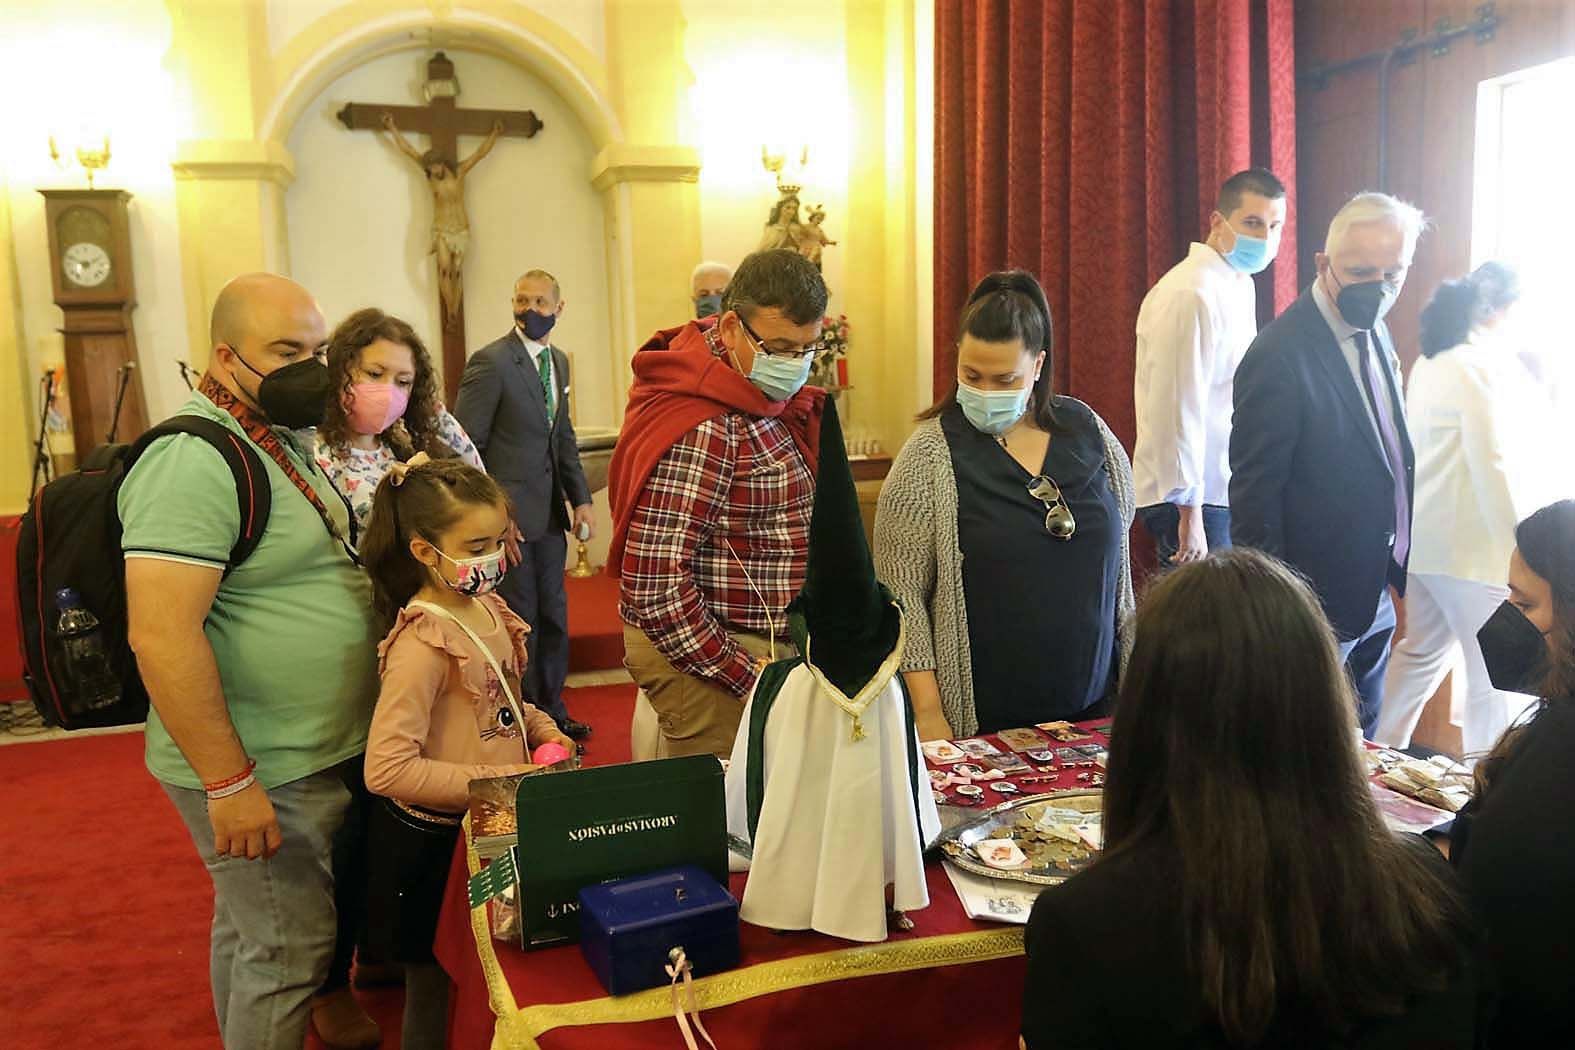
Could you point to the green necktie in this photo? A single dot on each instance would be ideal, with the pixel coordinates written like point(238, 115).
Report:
point(544, 365)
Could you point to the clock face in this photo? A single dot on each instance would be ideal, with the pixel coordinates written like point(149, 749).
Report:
point(86, 265)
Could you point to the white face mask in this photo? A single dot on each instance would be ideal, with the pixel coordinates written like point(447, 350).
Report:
point(476, 576)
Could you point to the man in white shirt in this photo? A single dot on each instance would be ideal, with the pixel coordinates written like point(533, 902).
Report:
point(1192, 330)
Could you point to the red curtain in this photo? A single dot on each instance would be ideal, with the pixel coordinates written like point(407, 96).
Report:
point(1085, 140)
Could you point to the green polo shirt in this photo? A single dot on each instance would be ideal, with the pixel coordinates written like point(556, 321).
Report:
point(291, 628)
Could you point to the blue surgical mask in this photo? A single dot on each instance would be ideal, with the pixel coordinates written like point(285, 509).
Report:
point(992, 411)
point(779, 378)
point(1250, 254)
point(708, 306)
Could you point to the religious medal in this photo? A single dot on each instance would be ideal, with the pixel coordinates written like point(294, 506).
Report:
point(972, 793)
point(1043, 757)
point(1005, 787)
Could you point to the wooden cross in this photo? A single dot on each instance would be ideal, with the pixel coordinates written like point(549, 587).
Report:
point(443, 122)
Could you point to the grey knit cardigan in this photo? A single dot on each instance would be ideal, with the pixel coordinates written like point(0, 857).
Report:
point(918, 557)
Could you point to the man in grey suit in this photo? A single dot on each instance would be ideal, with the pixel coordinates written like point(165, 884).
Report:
point(514, 402)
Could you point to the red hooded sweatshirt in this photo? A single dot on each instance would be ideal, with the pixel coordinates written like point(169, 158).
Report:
point(679, 384)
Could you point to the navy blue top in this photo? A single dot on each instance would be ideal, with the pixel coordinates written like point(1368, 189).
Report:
point(1041, 611)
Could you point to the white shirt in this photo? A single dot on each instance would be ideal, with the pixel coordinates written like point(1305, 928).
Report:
point(1488, 453)
point(1192, 331)
point(535, 350)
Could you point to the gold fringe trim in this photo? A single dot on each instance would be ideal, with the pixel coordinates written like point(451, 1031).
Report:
point(518, 1029)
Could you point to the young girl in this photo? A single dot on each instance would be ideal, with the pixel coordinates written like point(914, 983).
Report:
point(450, 708)
point(387, 409)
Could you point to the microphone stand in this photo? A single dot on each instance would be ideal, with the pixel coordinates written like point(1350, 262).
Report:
point(41, 463)
point(123, 374)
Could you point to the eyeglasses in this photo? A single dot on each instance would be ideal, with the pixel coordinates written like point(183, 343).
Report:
point(786, 355)
point(1058, 516)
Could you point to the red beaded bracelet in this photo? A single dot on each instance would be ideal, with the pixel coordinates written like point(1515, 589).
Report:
point(220, 785)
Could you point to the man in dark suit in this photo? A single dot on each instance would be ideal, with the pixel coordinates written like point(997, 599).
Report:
point(1321, 463)
point(514, 402)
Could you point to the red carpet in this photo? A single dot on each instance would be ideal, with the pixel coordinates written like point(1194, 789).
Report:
point(595, 632)
point(104, 908)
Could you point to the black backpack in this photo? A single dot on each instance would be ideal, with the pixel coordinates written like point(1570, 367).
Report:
point(71, 538)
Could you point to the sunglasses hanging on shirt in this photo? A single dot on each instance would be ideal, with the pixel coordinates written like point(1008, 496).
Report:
point(1058, 516)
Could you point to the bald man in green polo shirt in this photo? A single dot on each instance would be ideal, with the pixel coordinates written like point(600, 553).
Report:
point(262, 679)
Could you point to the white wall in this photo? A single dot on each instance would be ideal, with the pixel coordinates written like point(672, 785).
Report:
point(766, 73)
point(129, 95)
point(359, 215)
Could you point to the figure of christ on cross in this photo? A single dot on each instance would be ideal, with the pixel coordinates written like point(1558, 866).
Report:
point(450, 226)
point(443, 122)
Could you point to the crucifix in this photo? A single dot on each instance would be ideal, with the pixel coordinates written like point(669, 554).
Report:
point(442, 122)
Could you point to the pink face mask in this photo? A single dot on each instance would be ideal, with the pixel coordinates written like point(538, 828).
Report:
point(374, 407)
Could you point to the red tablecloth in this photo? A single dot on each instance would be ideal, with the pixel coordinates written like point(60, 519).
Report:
point(948, 982)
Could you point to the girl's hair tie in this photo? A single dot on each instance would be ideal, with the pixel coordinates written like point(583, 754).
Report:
point(398, 471)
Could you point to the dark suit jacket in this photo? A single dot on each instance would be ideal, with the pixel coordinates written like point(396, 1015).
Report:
point(502, 407)
point(1108, 968)
point(1310, 482)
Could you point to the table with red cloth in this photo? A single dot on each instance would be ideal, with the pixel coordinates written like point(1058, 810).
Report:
point(950, 981)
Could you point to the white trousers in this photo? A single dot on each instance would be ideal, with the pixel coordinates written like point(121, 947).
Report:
point(1441, 612)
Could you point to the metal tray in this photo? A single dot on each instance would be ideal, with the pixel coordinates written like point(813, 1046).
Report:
point(956, 844)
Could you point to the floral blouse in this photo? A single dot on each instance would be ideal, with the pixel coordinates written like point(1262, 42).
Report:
point(356, 472)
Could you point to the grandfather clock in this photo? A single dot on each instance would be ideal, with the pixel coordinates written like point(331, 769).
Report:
point(90, 266)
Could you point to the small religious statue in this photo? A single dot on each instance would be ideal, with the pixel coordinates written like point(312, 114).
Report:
point(826, 786)
point(812, 238)
point(450, 226)
point(783, 230)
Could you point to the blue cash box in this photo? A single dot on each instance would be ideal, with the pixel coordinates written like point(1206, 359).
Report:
point(629, 927)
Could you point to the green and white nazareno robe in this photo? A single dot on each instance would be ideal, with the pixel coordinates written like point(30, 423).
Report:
point(831, 792)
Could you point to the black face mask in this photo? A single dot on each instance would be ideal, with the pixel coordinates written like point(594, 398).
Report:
point(1514, 650)
point(295, 396)
point(1364, 305)
point(535, 326)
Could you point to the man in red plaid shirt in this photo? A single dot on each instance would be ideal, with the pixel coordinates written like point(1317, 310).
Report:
point(711, 486)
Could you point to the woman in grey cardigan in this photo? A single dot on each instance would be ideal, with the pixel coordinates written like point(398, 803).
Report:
point(1002, 528)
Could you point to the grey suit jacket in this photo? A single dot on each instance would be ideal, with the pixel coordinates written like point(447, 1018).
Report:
point(502, 407)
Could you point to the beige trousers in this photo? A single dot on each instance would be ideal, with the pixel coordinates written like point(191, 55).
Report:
point(693, 716)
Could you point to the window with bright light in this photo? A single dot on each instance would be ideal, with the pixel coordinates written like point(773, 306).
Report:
point(1523, 213)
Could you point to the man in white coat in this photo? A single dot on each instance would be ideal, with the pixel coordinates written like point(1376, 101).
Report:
point(826, 782)
point(1192, 330)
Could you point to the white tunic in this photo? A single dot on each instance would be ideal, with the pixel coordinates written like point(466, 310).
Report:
point(837, 823)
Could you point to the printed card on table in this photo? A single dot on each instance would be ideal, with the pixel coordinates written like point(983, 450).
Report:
point(978, 747)
point(1022, 739)
point(1063, 731)
point(942, 752)
point(1006, 763)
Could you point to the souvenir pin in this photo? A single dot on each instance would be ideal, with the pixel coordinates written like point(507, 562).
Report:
point(1043, 757)
point(1005, 787)
point(971, 792)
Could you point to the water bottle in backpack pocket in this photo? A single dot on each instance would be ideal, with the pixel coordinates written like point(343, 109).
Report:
point(94, 683)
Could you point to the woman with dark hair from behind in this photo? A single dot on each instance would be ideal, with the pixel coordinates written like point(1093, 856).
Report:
point(1003, 527)
point(1249, 893)
point(1511, 843)
point(1482, 428)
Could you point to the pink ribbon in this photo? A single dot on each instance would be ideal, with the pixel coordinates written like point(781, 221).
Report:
point(684, 1011)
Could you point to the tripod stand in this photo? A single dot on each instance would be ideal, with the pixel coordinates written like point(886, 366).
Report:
point(41, 463)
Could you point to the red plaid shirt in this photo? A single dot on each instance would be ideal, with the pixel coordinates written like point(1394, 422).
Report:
point(735, 481)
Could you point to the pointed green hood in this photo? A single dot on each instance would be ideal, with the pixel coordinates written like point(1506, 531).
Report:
point(843, 615)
